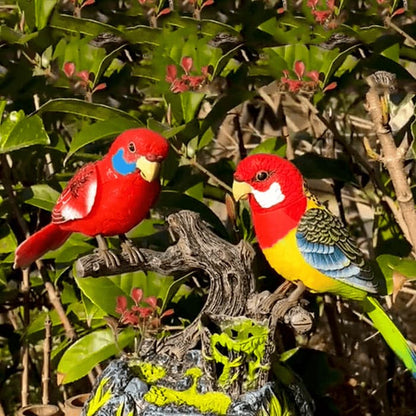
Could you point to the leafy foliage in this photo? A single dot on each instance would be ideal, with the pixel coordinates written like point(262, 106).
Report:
point(219, 79)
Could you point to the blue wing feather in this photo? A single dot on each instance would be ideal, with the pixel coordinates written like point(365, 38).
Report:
point(337, 258)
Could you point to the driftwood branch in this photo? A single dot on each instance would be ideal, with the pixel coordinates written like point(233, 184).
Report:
point(227, 266)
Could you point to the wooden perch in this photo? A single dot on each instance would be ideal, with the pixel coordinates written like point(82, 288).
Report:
point(228, 267)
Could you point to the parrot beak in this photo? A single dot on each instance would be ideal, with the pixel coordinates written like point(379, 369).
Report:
point(149, 170)
point(241, 190)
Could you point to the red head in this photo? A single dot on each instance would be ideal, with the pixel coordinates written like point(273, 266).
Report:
point(269, 181)
point(274, 188)
point(140, 142)
point(138, 150)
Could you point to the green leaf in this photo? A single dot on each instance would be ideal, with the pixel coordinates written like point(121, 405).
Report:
point(173, 289)
point(43, 9)
point(223, 61)
point(191, 102)
point(103, 291)
point(9, 124)
point(84, 109)
point(78, 25)
point(74, 247)
point(40, 196)
point(37, 12)
point(8, 241)
point(143, 34)
point(89, 351)
point(105, 63)
point(3, 104)
point(337, 63)
point(101, 130)
point(18, 132)
point(276, 146)
point(9, 35)
point(389, 264)
point(286, 355)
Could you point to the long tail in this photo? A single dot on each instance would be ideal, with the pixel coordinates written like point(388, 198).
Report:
point(390, 333)
point(48, 238)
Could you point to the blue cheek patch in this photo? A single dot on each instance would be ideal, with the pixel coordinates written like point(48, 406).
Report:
point(120, 165)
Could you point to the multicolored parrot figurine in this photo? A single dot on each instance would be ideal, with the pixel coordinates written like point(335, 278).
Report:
point(308, 245)
point(105, 198)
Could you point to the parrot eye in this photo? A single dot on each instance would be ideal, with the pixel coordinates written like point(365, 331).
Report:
point(132, 147)
point(262, 175)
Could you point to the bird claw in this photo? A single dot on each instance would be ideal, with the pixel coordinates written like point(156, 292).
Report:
point(131, 252)
point(265, 301)
point(282, 306)
point(110, 259)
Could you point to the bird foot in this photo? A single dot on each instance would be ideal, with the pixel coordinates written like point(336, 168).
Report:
point(263, 302)
point(131, 252)
point(282, 306)
point(111, 260)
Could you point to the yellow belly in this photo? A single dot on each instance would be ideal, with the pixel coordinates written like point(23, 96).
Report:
point(287, 260)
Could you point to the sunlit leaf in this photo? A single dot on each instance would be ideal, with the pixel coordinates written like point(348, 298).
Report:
point(8, 241)
point(89, 351)
point(103, 291)
point(41, 196)
point(25, 132)
point(101, 130)
point(84, 109)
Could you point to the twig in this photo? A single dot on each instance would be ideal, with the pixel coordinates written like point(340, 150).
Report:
point(400, 31)
point(334, 325)
point(46, 361)
point(52, 294)
point(237, 128)
point(25, 288)
point(25, 376)
point(196, 164)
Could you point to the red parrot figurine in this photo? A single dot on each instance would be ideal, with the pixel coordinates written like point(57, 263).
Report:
point(105, 198)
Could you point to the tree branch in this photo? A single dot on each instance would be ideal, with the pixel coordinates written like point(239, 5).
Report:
point(393, 157)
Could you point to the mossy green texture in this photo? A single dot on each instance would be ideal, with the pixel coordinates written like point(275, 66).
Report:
point(210, 402)
point(99, 399)
point(245, 341)
point(147, 372)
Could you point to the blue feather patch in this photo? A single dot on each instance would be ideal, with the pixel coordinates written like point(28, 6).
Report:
point(120, 165)
point(332, 262)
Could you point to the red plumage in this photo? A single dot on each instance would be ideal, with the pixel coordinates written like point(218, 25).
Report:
point(108, 197)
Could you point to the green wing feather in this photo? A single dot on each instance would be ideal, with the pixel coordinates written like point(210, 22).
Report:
point(390, 333)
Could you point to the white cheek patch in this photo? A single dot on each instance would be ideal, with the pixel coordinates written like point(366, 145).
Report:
point(269, 198)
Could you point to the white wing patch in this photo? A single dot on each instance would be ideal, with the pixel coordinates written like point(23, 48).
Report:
point(69, 213)
point(91, 192)
point(77, 199)
point(271, 197)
